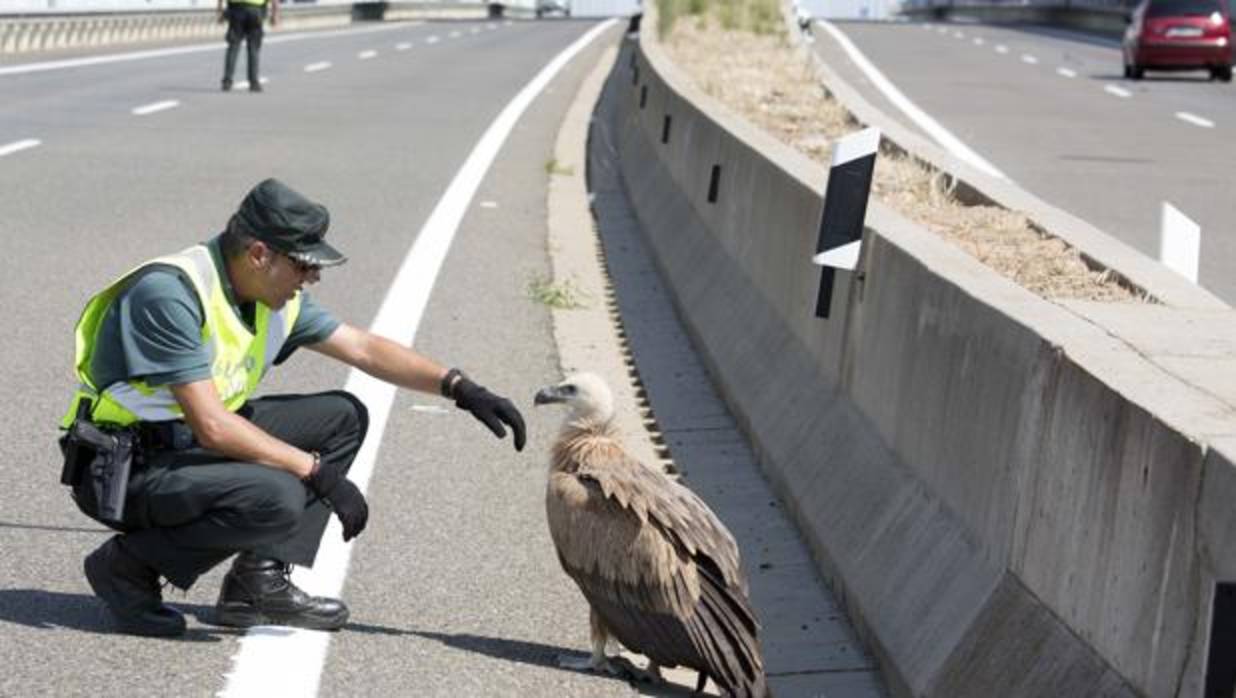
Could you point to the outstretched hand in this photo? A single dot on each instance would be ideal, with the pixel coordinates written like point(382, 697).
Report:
point(492, 410)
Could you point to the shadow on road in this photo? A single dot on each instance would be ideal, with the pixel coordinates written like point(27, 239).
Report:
point(500, 648)
point(62, 529)
point(50, 610)
point(525, 652)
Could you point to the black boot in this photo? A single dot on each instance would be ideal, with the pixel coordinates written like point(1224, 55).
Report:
point(259, 591)
point(130, 588)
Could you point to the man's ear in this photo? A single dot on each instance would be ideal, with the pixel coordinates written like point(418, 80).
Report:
point(259, 255)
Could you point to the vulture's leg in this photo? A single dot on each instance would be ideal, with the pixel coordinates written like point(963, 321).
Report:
point(598, 661)
point(701, 682)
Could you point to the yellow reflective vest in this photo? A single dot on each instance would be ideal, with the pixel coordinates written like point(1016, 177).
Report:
point(240, 357)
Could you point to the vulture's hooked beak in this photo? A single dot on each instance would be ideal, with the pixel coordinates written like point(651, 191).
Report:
point(550, 395)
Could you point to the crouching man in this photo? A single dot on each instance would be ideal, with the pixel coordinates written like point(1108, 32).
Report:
point(166, 443)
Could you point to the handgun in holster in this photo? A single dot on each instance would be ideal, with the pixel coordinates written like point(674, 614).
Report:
point(103, 454)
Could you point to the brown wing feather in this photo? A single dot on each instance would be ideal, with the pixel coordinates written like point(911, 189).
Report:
point(652, 559)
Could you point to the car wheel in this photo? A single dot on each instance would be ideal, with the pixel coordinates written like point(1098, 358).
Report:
point(1222, 73)
point(1136, 71)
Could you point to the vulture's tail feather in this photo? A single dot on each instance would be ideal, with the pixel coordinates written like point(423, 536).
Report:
point(730, 624)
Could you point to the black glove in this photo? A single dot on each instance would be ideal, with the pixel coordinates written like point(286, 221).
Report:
point(342, 495)
point(491, 409)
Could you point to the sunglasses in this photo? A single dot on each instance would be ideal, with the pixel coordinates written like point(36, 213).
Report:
point(302, 267)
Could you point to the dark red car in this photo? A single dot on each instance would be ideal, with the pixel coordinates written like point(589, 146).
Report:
point(1179, 35)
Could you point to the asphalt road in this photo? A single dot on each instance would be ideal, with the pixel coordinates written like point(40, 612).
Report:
point(454, 587)
point(1052, 112)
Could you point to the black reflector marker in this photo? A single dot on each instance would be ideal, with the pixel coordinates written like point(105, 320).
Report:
point(845, 208)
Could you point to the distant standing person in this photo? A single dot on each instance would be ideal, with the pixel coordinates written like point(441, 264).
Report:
point(244, 23)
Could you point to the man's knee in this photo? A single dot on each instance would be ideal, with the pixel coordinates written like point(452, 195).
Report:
point(274, 501)
point(353, 415)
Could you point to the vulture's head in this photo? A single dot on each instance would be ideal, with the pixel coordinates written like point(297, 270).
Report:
point(586, 394)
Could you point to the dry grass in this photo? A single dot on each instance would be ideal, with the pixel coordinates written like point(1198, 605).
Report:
point(760, 76)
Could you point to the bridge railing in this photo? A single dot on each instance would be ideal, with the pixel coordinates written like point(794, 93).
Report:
point(46, 25)
point(1107, 17)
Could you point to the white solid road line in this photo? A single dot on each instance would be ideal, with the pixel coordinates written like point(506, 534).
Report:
point(178, 50)
point(933, 128)
point(155, 107)
point(18, 146)
point(1118, 91)
point(1195, 119)
point(1066, 72)
point(366, 55)
point(315, 67)
point(287, 662)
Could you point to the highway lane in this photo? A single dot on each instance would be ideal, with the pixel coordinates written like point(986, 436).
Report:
point(452, 593)
point(1051, 111)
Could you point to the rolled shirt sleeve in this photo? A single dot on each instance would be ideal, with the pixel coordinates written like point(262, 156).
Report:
point(155, 329)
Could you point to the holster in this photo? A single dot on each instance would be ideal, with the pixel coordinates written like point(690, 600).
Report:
point(97, 464)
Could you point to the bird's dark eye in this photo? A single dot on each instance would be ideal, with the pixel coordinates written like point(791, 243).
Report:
point(569, 389)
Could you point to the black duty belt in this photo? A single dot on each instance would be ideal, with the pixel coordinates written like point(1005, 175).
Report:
point(165, 436)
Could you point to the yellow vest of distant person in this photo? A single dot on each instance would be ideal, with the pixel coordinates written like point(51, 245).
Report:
point(240, 357)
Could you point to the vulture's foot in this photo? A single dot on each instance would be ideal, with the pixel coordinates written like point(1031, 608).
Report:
point(621, 666)
point(574, 663)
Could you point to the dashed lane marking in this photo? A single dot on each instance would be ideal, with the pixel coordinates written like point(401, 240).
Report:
point(244, 84)
point(1117, 91)
point(1066, 72)
point(315, 67)
point(366, 55)
point(156, 107)
point(18, 146)
point(1195, 119)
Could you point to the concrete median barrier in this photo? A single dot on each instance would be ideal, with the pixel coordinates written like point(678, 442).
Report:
point(1014, 496)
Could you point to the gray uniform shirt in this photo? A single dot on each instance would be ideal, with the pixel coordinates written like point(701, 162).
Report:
point(153, 330)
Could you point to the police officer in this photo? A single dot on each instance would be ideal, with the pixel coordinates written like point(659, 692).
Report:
point(173, 351)
point(244, 23)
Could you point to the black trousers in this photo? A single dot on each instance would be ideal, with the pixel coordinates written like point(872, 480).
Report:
point(191, 509)
point(244, 23)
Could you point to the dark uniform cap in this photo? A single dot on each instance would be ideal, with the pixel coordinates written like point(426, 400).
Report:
point(280, 217)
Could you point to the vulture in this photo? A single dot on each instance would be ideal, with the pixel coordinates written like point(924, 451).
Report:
point(660, 572)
